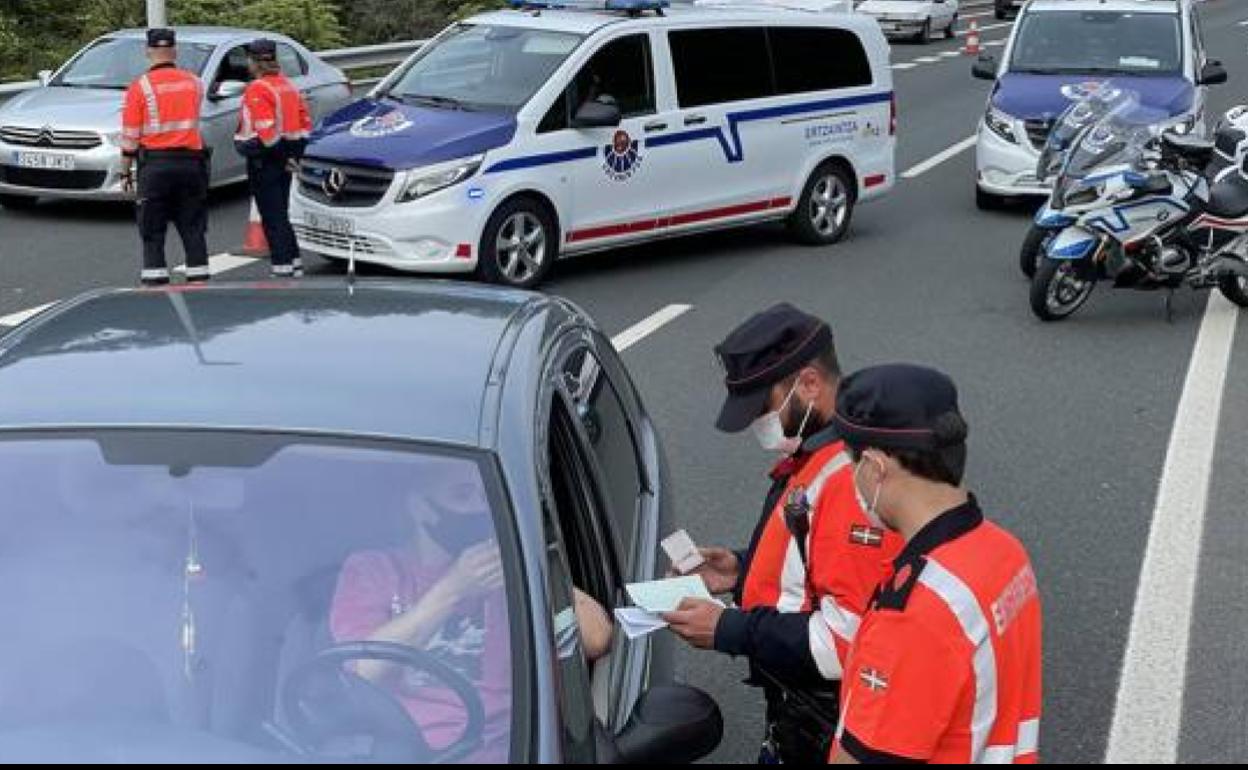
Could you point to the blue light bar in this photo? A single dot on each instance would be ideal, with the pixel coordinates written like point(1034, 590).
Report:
point(626, 6)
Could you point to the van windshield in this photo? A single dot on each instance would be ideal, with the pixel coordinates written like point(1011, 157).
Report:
point(1095, 42)
point(482, 67)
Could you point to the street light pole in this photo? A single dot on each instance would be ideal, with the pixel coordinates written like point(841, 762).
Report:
point(156, 14)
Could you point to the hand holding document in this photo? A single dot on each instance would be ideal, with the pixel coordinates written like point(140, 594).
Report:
point(654, 598)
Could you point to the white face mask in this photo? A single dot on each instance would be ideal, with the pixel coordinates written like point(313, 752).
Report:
point(870, 509)
point(769, 429)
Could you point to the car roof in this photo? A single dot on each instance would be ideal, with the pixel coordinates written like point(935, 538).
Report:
point(408, 360)
point(1138, 6)
point(587, 21)
point(196, 34)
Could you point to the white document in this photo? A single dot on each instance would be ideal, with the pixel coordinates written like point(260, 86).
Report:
point(683, 553)
point(665, 595)
point(635, 622)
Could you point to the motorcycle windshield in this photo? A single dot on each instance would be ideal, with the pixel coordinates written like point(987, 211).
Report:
point(1105, 126)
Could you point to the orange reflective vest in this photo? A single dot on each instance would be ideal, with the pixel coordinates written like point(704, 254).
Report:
point(162, 111)
point(273, 112)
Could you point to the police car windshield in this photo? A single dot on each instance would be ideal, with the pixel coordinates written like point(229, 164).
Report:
point(115, 62)
point(192, 590)
point(1096, 42)
point(483, 67)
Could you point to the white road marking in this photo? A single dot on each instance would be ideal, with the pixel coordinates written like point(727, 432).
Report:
point(644, 328)
point(926, 60)
point(905, 66)
point(24, 315)
point(222, 263)
point(1149, 710)
point(950, 54)
point(938, 158)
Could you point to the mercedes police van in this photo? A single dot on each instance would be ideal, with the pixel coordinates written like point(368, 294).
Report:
point(1061, 50)
point(520, 136)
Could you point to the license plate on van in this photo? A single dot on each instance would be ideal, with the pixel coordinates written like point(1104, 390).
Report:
point(329, 224)
point(45, 160)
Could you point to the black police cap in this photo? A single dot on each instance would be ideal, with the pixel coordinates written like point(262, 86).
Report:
point(161, 37)
point(262, 49)
point(765, 350)
point(899, 406)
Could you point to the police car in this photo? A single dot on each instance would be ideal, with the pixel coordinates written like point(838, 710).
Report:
point(523, 135)
point(1061, 50)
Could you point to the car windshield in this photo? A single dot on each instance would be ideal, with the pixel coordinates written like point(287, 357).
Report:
point(230, 597)
point(116, 61)
point(1095, 42)
point(483, 66)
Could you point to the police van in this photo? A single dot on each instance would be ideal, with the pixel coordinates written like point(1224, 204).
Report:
point(520, 136)
point(1060, 51)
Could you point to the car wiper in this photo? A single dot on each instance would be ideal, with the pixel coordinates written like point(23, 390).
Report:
point(438, 101)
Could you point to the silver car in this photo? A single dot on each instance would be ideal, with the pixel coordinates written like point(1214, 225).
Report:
point(63, 139)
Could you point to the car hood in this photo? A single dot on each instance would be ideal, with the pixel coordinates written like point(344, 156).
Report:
point(893, 7)
point(1030, 97)
point(87, 109)
point(399, 136)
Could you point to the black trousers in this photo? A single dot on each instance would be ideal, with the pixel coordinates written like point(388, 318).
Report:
point(173, 187)
point(270, 186)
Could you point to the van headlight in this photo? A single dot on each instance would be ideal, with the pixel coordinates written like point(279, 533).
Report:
point(1000, 124)
point(424, 181)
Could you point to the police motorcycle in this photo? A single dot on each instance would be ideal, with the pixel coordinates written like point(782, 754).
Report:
point(1143, 208)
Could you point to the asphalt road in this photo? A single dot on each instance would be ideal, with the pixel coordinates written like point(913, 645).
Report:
point(1070, 422)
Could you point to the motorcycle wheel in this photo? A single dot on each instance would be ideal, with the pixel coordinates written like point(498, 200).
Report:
point(1032, 252)
point(1058, 290)
point(1235, 288)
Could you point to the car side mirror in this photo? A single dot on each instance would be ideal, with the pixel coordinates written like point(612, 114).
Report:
point(985, 67)
point(227, 89)
point(1212, 74)
point(596, 114)
point(671, 724)
point(45, 77)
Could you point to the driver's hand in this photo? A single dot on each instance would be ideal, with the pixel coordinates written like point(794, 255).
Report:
point(477, 571)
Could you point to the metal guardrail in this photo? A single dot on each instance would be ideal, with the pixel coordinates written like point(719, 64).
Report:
point(363, 57)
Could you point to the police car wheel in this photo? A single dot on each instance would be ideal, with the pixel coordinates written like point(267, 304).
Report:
point(925, 34)
point(950, 31)
point(827, 204)
point(1000, 14)
point(1235, 288)
point(519, 244)
point(18, 202)
point(985, 201)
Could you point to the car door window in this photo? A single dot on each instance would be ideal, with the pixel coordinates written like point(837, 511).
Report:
point(293, 65)
point(611, 439)
point(234, 66)
point(714, 66)
point(621, 72)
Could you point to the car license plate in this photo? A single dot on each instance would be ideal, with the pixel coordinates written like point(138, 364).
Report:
point(45, 160)
point(334, 225)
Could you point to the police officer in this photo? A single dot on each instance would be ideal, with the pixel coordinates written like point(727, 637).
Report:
point(814, 559)
point(946, 665)
point(160, 130)
point(272, 134)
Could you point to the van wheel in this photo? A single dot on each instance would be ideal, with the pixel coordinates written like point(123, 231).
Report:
point(1000, 14)
point(519, 245)
point(826, 207)
point(950, 31)
point(987, 201)
point(18, 202)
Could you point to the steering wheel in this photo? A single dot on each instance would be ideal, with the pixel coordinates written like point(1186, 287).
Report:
point(333, 711)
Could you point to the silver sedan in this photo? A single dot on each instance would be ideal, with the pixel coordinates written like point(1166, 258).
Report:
point(62, 140)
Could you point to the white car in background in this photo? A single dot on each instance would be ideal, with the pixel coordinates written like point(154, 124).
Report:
point(918, 19)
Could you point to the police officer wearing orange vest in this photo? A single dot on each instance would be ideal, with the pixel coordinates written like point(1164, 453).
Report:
point(946, 666)
point(814, 558)
point(160, 130)
point(272, 134)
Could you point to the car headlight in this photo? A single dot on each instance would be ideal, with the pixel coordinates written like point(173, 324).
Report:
point(1000, 124)
point(424, 181)
point(113, 138)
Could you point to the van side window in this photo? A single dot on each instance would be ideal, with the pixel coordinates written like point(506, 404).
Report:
point(721, 65)
point(817, 59)
point(621, 71)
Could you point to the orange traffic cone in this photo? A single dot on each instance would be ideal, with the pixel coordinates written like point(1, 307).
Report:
point(254, 242)
point(972, 40)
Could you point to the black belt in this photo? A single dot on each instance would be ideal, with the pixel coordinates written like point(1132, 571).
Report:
point(173, 154)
